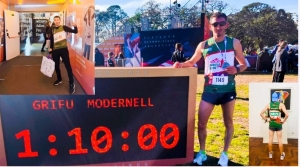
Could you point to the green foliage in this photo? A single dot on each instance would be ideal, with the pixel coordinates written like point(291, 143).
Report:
point(256, 25)
point(259, 25)
point(110, 22)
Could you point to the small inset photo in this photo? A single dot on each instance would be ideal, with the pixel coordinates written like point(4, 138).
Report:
point(273, 124)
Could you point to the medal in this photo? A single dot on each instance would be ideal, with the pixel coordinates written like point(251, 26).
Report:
point(225, 65)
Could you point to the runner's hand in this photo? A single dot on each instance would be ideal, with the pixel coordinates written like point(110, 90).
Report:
point(231, 70)
point(177, 65)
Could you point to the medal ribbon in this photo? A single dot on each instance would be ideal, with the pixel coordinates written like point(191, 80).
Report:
point(225, 41)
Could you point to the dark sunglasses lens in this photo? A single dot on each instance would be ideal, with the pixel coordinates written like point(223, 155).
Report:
point(215, 24)
point(223, 23)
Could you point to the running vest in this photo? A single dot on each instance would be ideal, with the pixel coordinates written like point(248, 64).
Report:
point(214, 75)
point(59, 37)
point(275, 115)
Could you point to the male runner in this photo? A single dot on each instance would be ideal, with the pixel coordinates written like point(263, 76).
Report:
point(59, 48)
point(275, 109)
point(219, 88)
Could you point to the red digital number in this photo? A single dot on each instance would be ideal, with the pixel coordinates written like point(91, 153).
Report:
point(142, 139)
point(164, 137)
point(79, 149)
point(96, 142)
point(27, 145)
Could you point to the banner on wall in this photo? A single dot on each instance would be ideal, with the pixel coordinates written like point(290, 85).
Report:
point(38, 28)
point(1, 31)
point(88, 32)
point(69, 20)
point(156, 47)
point(207, 32)
point(132, 50)
point(81, 46)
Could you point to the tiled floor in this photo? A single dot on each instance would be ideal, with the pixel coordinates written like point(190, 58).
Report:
point(34, 50)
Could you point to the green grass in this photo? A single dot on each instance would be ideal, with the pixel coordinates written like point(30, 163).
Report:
point(239, 148)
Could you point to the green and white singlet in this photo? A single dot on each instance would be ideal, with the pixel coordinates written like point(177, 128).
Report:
point(275, 115)
point(216, 78)
point(60, 38)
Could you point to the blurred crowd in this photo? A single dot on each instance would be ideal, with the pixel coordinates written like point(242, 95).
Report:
point(267, 54)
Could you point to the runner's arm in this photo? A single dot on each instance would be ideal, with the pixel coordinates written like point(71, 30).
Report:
point(262, 113)
point(282, 107)
point(196, 57)
point(68, 29)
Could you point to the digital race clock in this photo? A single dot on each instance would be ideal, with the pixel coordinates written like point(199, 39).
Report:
point(130, 121)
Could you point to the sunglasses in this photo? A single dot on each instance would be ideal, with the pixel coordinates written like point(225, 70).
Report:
point(222, 23)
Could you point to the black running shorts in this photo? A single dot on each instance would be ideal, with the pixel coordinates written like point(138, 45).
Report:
point(218, 98)
point(275, 129)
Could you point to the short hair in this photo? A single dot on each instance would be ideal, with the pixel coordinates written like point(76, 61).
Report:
point(178, 46)
point(110, 53)
point(56, 17)
point(218, 15)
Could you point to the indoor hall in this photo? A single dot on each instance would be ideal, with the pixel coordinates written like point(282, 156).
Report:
point(21, 52)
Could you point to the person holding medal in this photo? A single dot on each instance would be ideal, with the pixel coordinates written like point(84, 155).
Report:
point(219, 53)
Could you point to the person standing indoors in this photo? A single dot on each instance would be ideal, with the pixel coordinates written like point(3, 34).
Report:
point(45, 34)
point(59, 48)
point(280, 63)
point(219, 53)
point(178, 55)
point(274, 111)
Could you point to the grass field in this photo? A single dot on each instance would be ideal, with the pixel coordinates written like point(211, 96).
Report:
point(239, 149)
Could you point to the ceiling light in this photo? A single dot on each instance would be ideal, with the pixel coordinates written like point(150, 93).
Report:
point(56, 2)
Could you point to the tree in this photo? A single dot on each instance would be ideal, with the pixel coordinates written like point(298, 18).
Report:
point(153, 12)
point(110, 22)
point(258, 25)
point(220, 6)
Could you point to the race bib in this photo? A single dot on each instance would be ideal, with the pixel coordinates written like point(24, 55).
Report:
point(220, 80)
point(59, 36)
point(274, 115)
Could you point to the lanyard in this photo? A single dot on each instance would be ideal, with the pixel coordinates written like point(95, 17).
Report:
point(225, 41)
